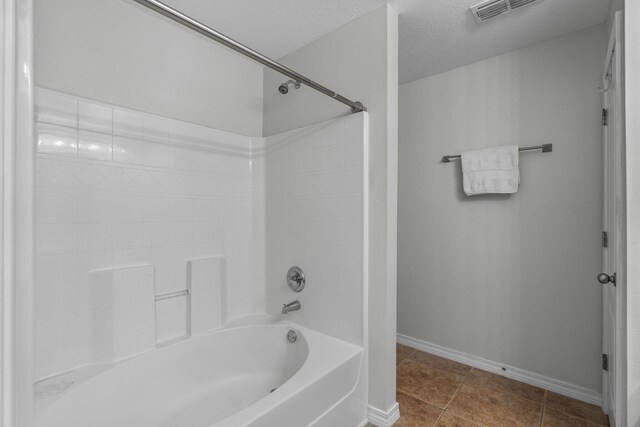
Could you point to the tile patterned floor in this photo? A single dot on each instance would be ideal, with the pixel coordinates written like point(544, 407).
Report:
point(433, 391)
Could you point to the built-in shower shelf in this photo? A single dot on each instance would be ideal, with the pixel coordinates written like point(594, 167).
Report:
point(199, 307)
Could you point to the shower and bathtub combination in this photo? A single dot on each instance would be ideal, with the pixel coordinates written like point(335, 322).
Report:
point(195, 277)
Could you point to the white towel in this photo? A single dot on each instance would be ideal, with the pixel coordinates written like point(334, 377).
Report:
point(491, 170)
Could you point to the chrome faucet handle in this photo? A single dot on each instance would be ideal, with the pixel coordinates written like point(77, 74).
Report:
point(296, 279)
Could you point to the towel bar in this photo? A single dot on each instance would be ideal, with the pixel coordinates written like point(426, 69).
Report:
point(546, 148)
point(172, 294)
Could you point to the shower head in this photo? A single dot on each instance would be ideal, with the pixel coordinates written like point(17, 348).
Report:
point(284, 87)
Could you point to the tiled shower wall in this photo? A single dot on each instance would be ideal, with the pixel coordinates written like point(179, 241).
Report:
point(117, 187)
point(314, 187)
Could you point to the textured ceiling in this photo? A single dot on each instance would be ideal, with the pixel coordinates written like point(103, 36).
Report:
point(438, 35)
point(435, 35)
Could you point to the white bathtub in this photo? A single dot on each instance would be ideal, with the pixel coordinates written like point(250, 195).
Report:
point(219, 379)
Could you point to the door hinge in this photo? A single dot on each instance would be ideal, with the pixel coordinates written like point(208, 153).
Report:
point(605, 239)
point(605, 362)
point(605, 117)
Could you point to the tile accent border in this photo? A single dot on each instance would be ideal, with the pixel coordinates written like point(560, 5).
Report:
point(381, 418)
point(88, 115)
point(550, 384)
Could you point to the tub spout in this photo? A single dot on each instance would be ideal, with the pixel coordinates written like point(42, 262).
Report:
point(292, 306)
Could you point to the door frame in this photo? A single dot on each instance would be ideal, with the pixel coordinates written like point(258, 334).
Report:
point(632, 268)
point(17, 157)
point(615, 53)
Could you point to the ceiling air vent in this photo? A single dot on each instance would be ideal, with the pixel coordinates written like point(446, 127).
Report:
point(490, 9)
point(493, 8)
point(519, 3)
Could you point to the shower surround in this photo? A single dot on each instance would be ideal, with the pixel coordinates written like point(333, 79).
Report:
point(116, 188)
point(152, 232)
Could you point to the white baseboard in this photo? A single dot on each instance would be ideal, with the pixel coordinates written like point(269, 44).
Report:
point(557, 386)
point(381, 418)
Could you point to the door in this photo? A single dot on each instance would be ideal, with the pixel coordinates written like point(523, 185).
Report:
point(612, 277)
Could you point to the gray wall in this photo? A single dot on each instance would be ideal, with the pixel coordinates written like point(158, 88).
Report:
point(360, 61)
point(507, 278)
point(616, 5)
point(116, 51)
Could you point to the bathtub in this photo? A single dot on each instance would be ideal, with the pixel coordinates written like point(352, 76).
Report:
point(246, 375)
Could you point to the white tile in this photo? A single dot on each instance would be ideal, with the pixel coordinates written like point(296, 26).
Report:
point(85, 352)
point(205, 231)
point(95, 324)
point(133, 286)
point(155, 128)
point(94, 208)
point(126, 235)
point(94, 237)
point(132, 344)
point(133, 319)
point(56, 207)
point(95, 296)
point(95, 145)
point(178, 233)
point(315, 220)
point(68, 325)
point(326, 158)
point(95, 117)
point(69, 298)
point(126, 208)
point(55, 269)
point(47, 334)
point(47, 302)
point(153, 208)
point(170, 280)
point(89, 261)
point(52, 238)
point(155, 154)
point(85, 325)
point(127, 150)
point(353, 151)
point(207, 209)
point(127, 123)
point(180, 209)
point(54, 139)
point(56, 360)
point(56, 108)
point(116, 178)
point(351, 234)
point(131, 256)
point(153, 234)
point(180, 158)
point(103, 350)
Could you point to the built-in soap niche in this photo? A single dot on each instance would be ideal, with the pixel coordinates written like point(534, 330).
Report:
point(118, 320)
point(199, 306)
point(207, 281)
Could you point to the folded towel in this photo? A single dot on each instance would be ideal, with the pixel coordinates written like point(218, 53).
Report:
point(491, 170)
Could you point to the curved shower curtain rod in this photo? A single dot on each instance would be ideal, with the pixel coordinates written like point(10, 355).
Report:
point(191, 23)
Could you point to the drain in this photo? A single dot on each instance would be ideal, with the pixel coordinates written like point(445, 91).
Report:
point(292, 336)
point(273, 389)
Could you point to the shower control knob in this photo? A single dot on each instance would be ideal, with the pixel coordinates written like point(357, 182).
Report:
point(604, 278)
point(295, 279)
